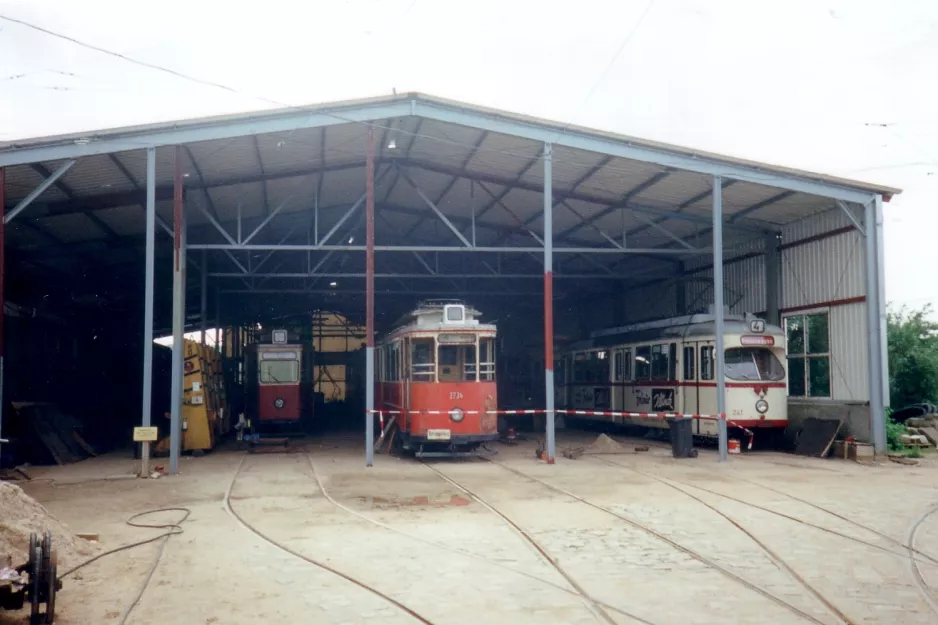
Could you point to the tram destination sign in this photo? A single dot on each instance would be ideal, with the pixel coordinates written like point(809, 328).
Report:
point(455, 338)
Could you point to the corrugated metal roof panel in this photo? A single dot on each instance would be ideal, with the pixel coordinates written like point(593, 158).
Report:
point(618, 178)
point(674, 189)
point(124, 220)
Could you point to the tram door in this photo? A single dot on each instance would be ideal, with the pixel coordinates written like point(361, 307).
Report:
point(689, 376)
point(621, 365)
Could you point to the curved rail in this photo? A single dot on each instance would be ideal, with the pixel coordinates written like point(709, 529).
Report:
point(596, 607)
point(776, 559)
point(316, 563)
point(927, 593)
point(686, 550)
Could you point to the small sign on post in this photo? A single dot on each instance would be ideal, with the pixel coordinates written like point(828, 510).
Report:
point(147, 434)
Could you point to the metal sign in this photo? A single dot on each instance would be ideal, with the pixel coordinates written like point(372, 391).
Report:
point(462, 338)
point(768, 341)
point(278, 337)
point(145, 434)
point(278, 355)
point(757, 326)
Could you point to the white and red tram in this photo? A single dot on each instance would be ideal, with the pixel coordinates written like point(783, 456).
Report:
point(436, 376)
point(669, 366)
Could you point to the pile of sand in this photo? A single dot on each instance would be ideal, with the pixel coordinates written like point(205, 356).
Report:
point(604, 445)
point(21, 515)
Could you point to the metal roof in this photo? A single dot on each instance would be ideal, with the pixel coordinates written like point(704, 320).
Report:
point(474, 165)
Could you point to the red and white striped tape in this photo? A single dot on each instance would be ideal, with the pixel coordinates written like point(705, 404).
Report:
point(446, 412)
point(643, 415)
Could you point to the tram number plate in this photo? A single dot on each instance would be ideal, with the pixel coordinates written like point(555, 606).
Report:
point(438, 435)
point(455, 395)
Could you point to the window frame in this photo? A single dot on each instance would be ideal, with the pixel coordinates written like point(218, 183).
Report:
point(807, 355)
point(689, 356)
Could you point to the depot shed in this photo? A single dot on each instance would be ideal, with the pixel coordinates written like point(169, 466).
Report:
point(557, 229)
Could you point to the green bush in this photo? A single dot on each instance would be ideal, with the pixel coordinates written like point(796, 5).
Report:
point(912, 339)
point(894, 432)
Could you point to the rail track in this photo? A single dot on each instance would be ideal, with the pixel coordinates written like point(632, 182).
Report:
point(598, 608)
point(776, 559)
point(686, 550)
point(312, 561)
point(927, 593)
point(573, 590)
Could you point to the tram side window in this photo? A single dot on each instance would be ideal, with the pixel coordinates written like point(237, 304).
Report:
point(660, 362)
point(422, 362)
point(643, 363)
point(689, 357)
point(395, 362)
point(706, 363)
point(487, 359)
point(617, 366)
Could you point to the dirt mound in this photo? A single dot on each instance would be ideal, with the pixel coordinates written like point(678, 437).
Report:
point(604, 445)
point(21, 515)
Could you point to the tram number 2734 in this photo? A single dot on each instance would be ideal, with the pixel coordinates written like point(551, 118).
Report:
point(455, 395)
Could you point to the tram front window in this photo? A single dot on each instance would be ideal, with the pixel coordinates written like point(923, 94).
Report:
point(280, 371)
point(753, 363)
point(457, 363)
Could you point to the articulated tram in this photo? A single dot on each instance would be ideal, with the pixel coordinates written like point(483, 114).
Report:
point(669, 366)
point(436, 377)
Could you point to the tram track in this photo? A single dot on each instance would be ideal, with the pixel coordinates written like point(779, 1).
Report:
point(927, 593)
point(312, 561)
point(572, 590)
point(598, 608)
point(772, 555)
point(686, 550)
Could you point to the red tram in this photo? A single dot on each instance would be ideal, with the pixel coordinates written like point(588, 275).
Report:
point(436, 373)
point(278, 389)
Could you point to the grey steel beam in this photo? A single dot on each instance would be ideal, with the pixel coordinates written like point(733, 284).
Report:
point(137, 196)
point(218, 226)
point(267, 220)
point(416, 276)
point(350, 211)
point(853, 219)
point(681, 207)
point(203, 293)
point(436, 210)
point(148, 280)
point(67, 191)
point(773, 279)
point(260, 165)
point(39, 190)
point(666, 232)
point(509, 184)
point(198, 172)
point(720, 355)
point(875, 346)
point(449, 248)
point(425, 264)
point(277, 121)
point(549, 303)
point(591, 224)
point(522, 224)
point(179, 315)
point(750, 225)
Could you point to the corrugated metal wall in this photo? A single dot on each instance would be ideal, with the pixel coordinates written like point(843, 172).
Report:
point(849, 375)
point(744, 286)
point(653, 301)
point(822, 271)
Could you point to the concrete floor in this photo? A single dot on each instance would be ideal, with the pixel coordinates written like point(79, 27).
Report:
point(629, 544)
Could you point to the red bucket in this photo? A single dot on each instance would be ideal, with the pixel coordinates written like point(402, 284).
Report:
point(734, 446)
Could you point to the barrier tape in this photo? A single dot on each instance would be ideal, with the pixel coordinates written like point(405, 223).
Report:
point(593, 413)
point(751, 434)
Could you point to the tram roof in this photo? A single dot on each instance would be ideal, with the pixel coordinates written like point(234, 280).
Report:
point(447, 173)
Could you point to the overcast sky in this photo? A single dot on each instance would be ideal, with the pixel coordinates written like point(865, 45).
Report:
point(845, 87)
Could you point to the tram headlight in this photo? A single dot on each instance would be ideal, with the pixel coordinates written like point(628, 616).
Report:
point(456, 414)
point(278, 403)
point(762, 406)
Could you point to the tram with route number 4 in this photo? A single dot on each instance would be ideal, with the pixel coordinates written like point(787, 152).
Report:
point(436, 378)
point(669, 366)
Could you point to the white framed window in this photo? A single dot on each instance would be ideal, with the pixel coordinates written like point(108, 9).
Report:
point(809, 354)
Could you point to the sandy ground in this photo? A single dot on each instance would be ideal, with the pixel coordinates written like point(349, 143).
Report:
point(648, 544)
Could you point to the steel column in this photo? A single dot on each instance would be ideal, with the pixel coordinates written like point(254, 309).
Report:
point(2, 296)
point(203, 309)
point(179, 314)
point(370, 297)
point(874, 335)
point(720, 356)
point(148, 280)
point(549, 301)
point(773, 279)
